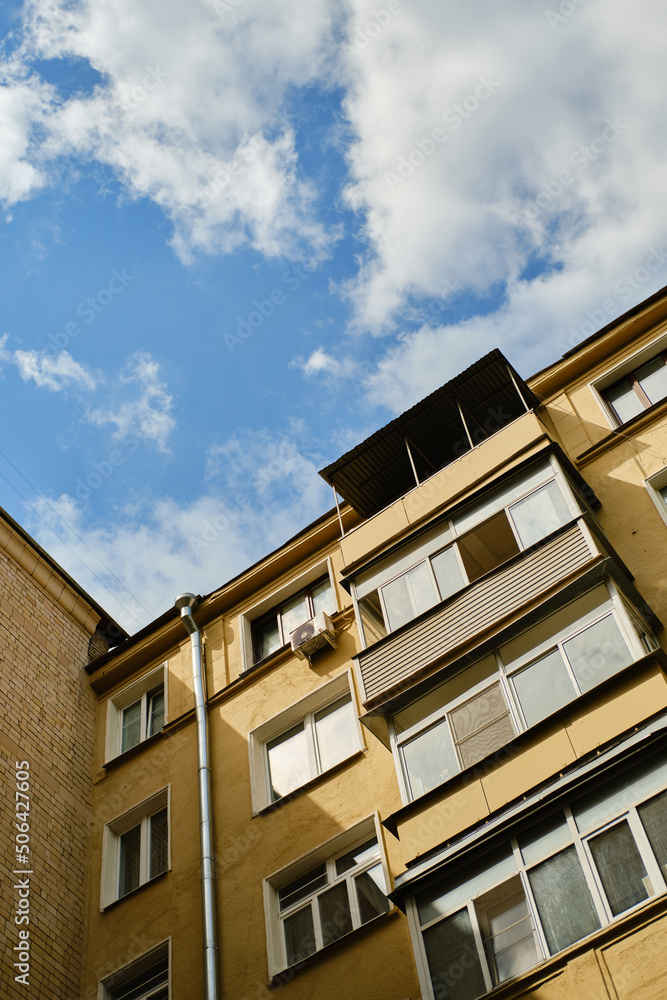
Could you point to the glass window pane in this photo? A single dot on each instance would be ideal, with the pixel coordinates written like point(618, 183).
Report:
point(653, 379)
point(408, 596)
point(615, 796)
point(625, 401)
point(543, 687)
point(335, 914)
point(406, 556)
point(371, 893)
point(445, 896)
point(130, 855)
point(299, 935)
point(598, 652)
point(563, 900)
point(544, 838)
point(289, 767)
point(620, 866)
point(489, 545)
point(372, 618)
point(447, 573)
point(430, 759)
point(653, 815)
point(304, 885)
point(293, 613)
point(357, 856)
point(155, 712)
point(159, 843)
point(323, 598)
point(486, 741)
point(453, 961)
point(336, 731)
point(539, 514)
point(493, 502)
point(512, 941)
point(139, 986)
point(131, 726)
point(267, 639)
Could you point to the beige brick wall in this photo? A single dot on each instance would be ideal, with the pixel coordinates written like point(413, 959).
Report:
point(46, 718)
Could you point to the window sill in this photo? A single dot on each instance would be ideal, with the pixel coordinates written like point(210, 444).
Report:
point(285, 975)
point(618, 434)
point(309, 785)
point(134, 892)
point(132, 752)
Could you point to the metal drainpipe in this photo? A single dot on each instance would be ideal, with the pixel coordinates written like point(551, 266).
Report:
point(185, 604)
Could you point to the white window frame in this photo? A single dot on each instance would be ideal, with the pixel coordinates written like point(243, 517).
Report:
point(125, 975)
point(366, 829)
point(114, 830)
point(657, 885)
point(619, 371)
point(654, 484)
point(276, 597)
point(551, 473)
point(300, 711)
point(614, 606)
point(139, 690)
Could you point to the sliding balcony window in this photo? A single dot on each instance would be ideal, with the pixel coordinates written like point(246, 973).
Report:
point(457, 552)
point(550, 886)
point(525, 680)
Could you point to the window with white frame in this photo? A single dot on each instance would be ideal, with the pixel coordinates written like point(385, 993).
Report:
point(136, 848)
point(306, 740)
point(136, 713)
point(456, 552)
point(525, 680)
point(326, 895)
point(550, 886)
point(266, 628)
point(637, 390)
point(147, 978)
point(657, 490)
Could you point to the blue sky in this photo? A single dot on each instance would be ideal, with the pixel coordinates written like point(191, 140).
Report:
point(238, 236)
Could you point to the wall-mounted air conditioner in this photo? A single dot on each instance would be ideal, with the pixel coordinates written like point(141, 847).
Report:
point(313, 635)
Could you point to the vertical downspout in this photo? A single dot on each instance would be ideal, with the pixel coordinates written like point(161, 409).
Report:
point(185, 604)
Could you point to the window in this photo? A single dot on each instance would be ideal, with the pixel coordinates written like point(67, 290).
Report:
point(459, 551)
point(657, 490)
point(326, 895)
point(638, 389)
point(272, 631)
point(525, 680)
point(136, 713)
point(145, 979)
point(555, 883)
point(136, 848)
point(306, 740)
point(266, 627)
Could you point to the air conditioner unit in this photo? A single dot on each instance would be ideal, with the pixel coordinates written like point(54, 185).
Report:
point(313, 635)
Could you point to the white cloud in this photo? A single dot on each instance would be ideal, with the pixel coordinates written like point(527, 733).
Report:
point(319, 362)
point(484, 141)
point(262, 489)
point(148, 416)
point(187, 113)
point(47, 370)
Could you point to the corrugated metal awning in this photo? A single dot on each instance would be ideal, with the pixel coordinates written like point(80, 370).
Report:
point(431, 434)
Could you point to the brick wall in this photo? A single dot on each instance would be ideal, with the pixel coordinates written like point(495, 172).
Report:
point(46, 718)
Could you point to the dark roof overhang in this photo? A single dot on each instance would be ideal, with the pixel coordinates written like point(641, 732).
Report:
point(489, 394)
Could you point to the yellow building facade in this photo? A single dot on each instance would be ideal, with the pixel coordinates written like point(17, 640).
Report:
point(427, 754)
